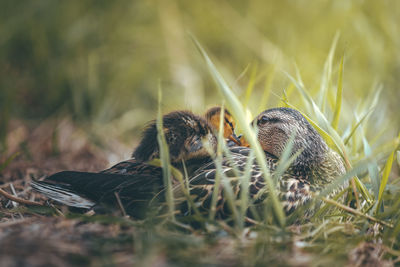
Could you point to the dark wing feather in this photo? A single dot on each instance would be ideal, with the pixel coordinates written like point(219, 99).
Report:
point(133, 167)
point(134, 191)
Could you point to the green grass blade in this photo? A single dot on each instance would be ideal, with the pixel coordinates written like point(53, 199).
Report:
point(237, 110)
point(218, 164)
point(385, 178)
point(338, 105)
point(299, 83)
point(373, 98)
point(267, 89)
point(359, 123)
point(332, 138)
point(398, 158)
point(373, 170)
point(327, 74)
point(165, 160)
point(250, 85)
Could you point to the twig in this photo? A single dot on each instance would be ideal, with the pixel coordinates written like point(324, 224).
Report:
point(356, 212)
point(120, 204)
point(19, 200)
point(249, 220)
point(15, 194)
point(13, 202)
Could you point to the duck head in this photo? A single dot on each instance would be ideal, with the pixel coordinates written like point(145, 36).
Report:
point(185, 134)
point(276, 126)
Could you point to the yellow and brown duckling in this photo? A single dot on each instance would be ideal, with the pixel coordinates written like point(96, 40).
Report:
point(135, 181)
point(213, 117)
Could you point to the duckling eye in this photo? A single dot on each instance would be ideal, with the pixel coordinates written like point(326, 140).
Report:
point(171, 138)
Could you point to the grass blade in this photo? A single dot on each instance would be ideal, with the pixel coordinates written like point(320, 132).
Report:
point(385, 178)
point(238, 112)
point(331, 136)
point(218, 164)
point(398, 158)
point(267, 89)
point(165, 160)
point(385, 175)
point(327, 74)
point(338, 106)
point(346, 141)
point(250, 85)
point(373, 170)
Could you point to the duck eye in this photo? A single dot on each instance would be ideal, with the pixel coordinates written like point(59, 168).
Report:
point(264, 119)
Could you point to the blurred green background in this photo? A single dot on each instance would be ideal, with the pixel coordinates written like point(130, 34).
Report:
point(100, 62)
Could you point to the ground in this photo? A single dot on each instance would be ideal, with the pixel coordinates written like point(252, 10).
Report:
point(54, 236)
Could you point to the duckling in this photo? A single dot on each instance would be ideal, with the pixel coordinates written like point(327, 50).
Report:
point(185, 133)
point(213, 117)
point(315, 166)
point(135, 181)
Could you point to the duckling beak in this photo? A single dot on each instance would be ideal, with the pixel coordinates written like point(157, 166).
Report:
point(234, 139)
point(239, 140)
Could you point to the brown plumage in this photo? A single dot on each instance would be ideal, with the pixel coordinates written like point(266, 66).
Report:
point(184, 133)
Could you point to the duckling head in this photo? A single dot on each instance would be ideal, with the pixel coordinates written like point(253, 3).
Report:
point(276, 126)
point(213, 117)
point(185, 134)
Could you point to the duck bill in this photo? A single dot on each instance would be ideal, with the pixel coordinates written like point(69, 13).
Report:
point(243, 142)
point(239, 140)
